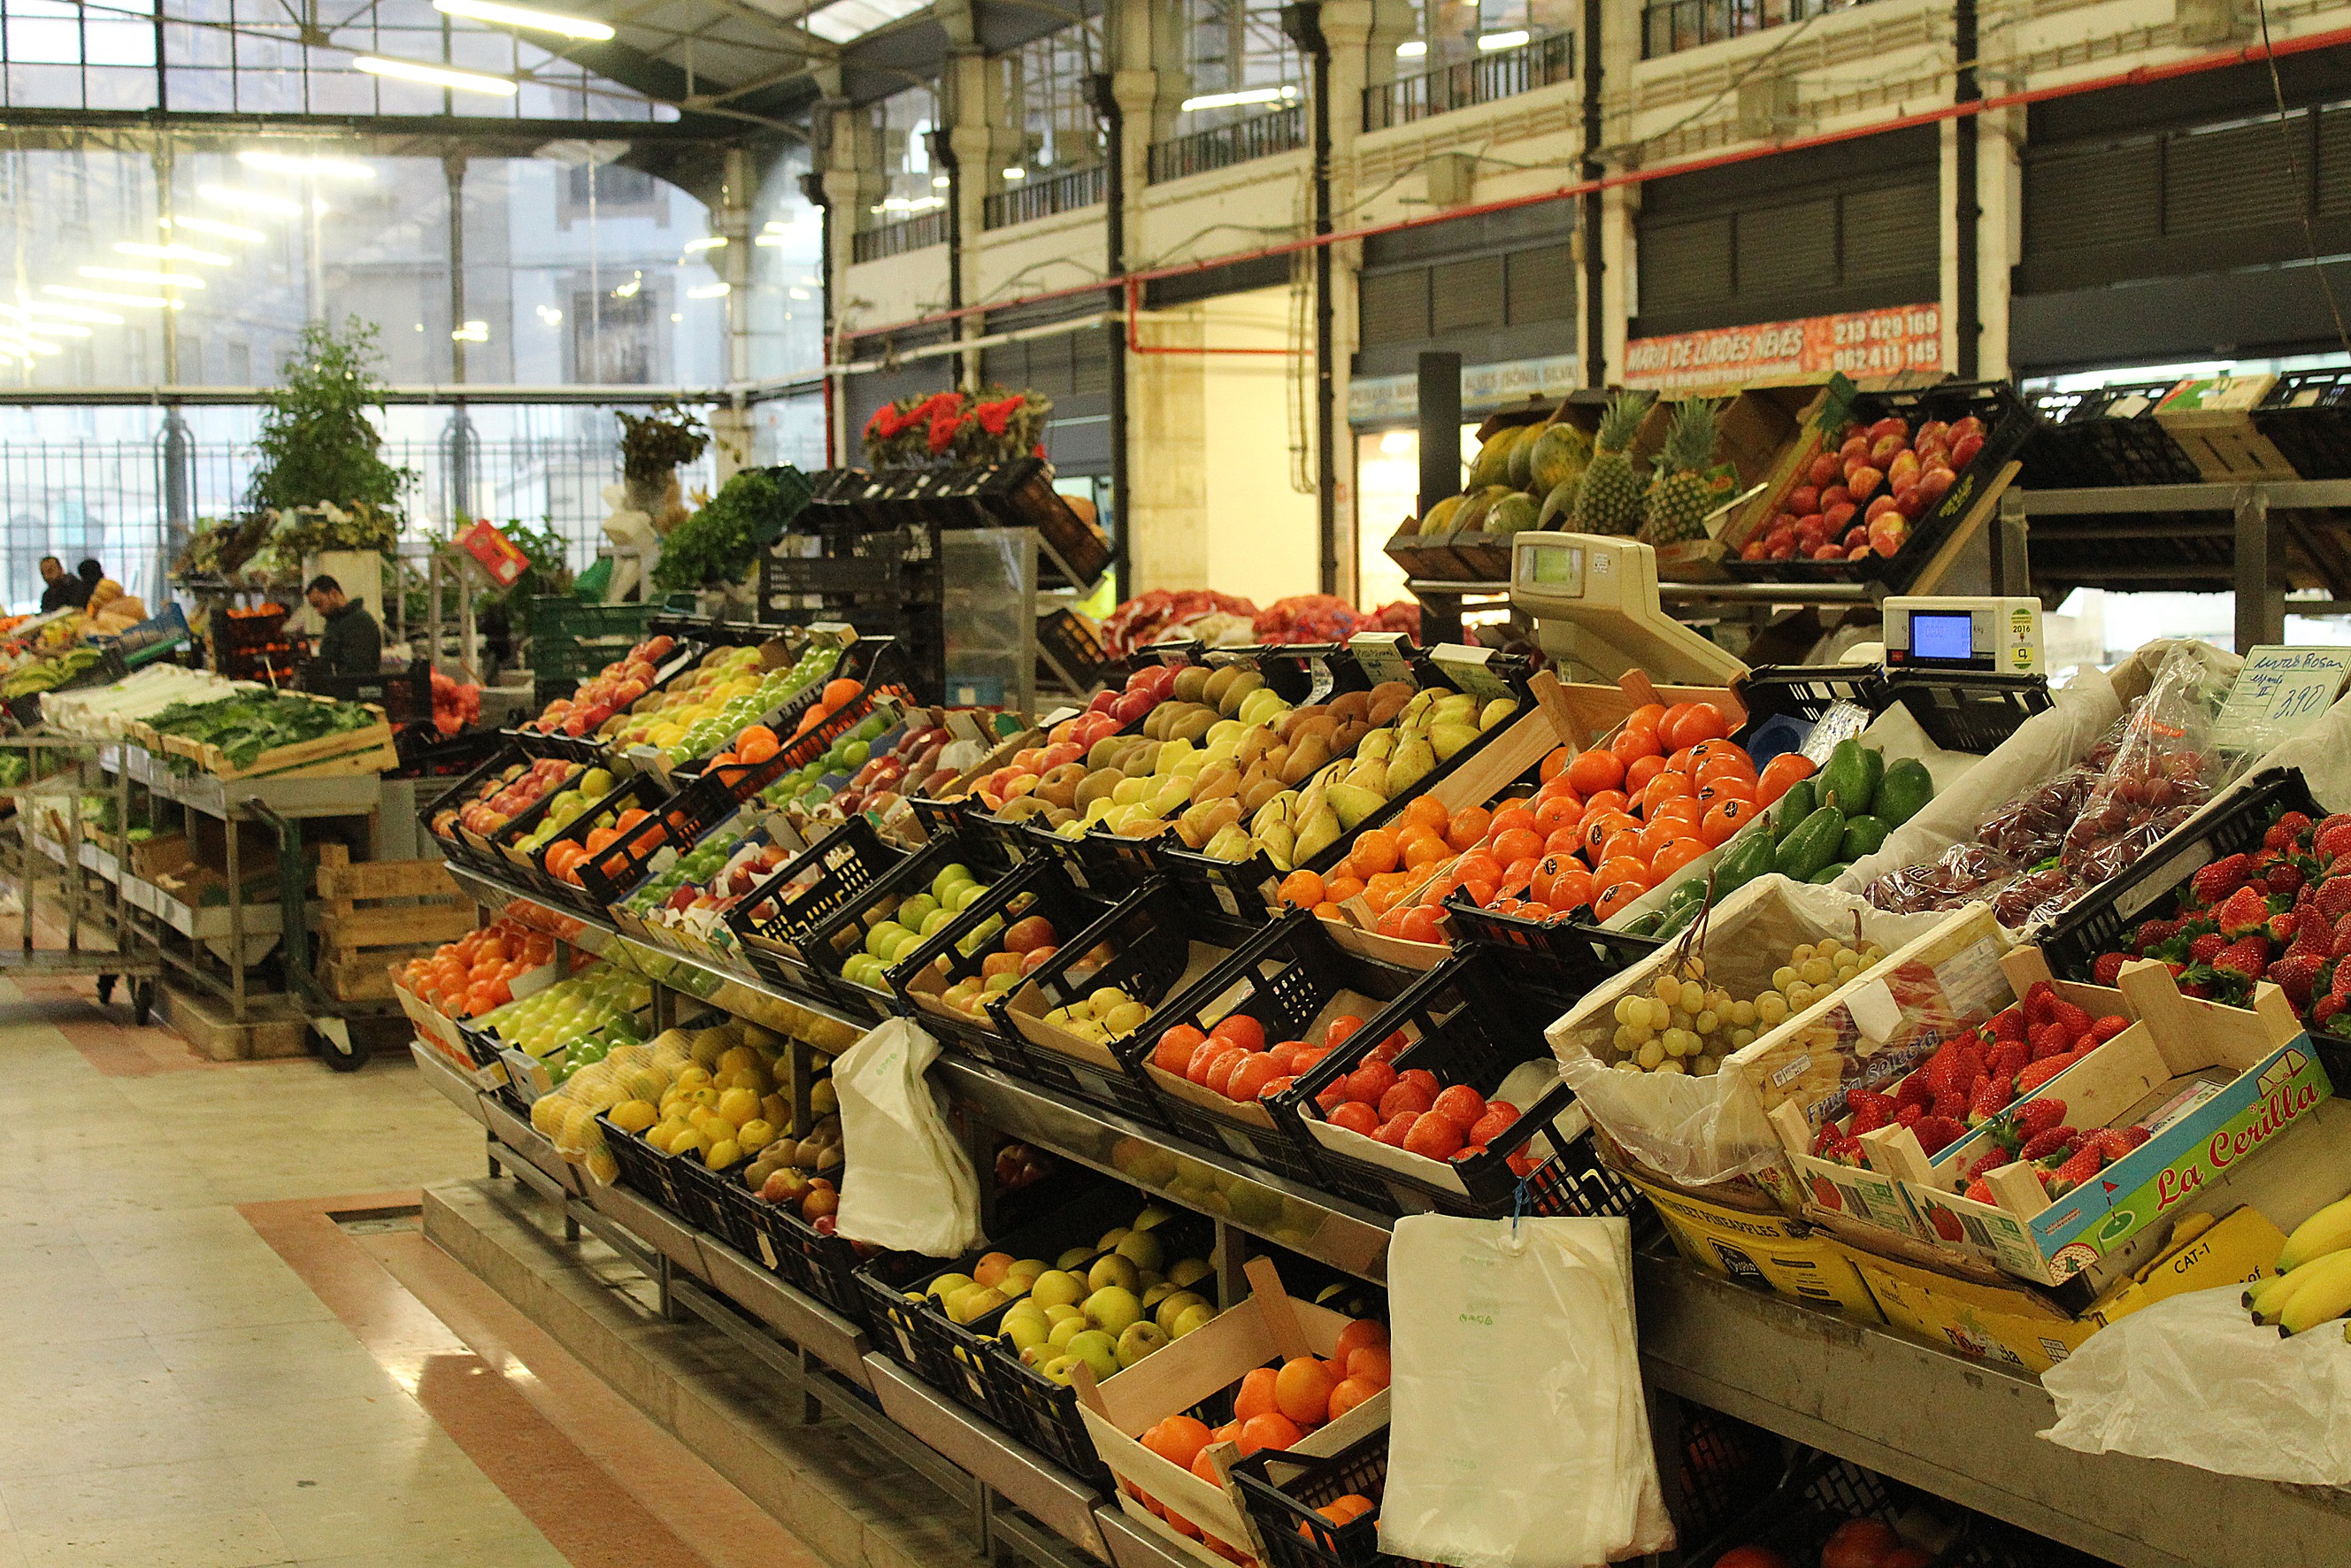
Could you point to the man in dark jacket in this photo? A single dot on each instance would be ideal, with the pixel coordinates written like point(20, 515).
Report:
point(352, 644)
point(63, 591)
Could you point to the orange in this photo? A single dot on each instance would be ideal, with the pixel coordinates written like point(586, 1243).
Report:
point(1779, 773)
point(1381, 892)
point(1626, 845)
point(1623, 868)
point(1674, 855)
point(1564, 840)
point(1340, 889)
point(1612, 898)
point(1665, 786)
point(1369, 1363)
point(1480, 865)
point(1556, 812)
point(1512, 814)
point(1730, 764)
point(1425, 849)
point(1348, 1393)
point(1376, 850)
point(1241, 1030)
point(1420, 924)
point(1520, 873)
point(1468, 825)
point(1271, 1430)
point(1703, 722)
point(1607, 799)
point(1554, 763)
point(1599, 828)
point(601, 839)
point(1301, 1390)
point(1179, 1440)
point(1517, 843)
point(1724, 817)
point(842, 690)
point(1594, 771)
point(1568, 884)
point(1425, 811)
point(1301, 889)
point(1632, 743)
point(1256, 1395)
point(1660, 832)
point(1648, 716)
point(1641, 770)
point(757, 744)
point(1732, 786)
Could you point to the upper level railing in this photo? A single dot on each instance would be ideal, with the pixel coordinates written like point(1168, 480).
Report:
point(1668, 26)
point(1042, 198)
point(898, 239)
point(1259, 136)
point(1502, 73)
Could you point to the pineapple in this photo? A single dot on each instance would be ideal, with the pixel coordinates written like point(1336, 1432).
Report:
point(1608, 499)
point(1679, 496)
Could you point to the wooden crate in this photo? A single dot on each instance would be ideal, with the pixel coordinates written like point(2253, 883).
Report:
point(378, 914)
point(365, 750)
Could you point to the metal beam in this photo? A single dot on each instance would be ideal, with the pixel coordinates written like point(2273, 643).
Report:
point(2278, 494)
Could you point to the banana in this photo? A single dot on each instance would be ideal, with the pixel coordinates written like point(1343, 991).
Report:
point(2326, 1231)
point(2324, 1294)
point(2263, 1297)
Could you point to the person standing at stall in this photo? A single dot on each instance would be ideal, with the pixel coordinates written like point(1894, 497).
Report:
point(352, 643)
point(61, 592)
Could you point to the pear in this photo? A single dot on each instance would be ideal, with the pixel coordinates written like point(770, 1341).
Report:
point(1353, 804)
point(1379, 744)
point(1278, 842)
point(1244, 683)
point(1453, 708)
point(1308, 754)
point(1495, 712)
point(1371, 774)
point(1414, 761)
point(1229, 844)
point(1216, 781)
point(1262, 788)
point(1446, 739)
point(1317, 832)
point(1274, 813)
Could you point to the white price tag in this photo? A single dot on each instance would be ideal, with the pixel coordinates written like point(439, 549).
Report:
point(1470, 669)
point(1380, 655)
point(2280, 692)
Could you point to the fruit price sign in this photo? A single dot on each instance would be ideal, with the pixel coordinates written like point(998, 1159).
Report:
point(1858, 343)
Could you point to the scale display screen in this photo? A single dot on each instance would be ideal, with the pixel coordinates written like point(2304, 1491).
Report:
point(1557, 566)
point(1942, 636)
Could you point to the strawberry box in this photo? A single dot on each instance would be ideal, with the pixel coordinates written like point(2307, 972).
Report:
point(2188, 1090)
point(1199, 1373)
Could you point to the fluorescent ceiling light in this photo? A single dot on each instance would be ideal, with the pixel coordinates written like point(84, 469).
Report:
point(1016, 174)
point(134, 275)
point(707, 241)
point(33, 311)
point(518, 17)
point(52, 328)
point(1412, 48)
point(434, 76)
point(550, 315)
point(260, 200)
point(708, 291)
point(845, 21)
point(216, 229)
point(170, 253)
point(472, 332)
point(629, 290)
point(1232, 100)
point(941, 182)
point(1510, 40)
point(797, 293)
point(102, 297)
point(770, 241)
point(326, 168)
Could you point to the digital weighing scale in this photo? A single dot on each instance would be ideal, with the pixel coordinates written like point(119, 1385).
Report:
point(1593, 600)
point(1951, 632)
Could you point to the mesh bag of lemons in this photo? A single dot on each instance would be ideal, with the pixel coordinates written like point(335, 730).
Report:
point(719, 1092)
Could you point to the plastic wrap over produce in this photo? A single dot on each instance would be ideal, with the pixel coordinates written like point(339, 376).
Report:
point(2194, 1380)
point(1500, 1329)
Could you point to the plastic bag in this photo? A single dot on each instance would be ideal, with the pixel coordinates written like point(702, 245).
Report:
point(911, 1187)
point(1959, 874)
point(2195, 1380)
point(1519, 1435)
point(2163, 770)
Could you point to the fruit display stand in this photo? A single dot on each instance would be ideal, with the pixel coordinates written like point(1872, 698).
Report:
point(66, 870)
point(1837, 1381)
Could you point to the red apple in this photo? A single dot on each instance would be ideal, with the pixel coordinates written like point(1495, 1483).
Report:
point(1933, 483)
point(1891, 427)
point(1855, 448)
point(1035, 960)
point(1864, 482)
point(1888, 531)
point(1829, 552)
point(1841, 514)
point(1836, 495)
point(1826, 469)
point(1804, 498)
point(1880, 506)
point(1026, 935)
point(1964, 449)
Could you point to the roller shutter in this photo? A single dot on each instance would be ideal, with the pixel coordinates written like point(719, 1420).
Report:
point(1496, 288)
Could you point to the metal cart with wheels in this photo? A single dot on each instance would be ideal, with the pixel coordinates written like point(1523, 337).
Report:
point(62, 848)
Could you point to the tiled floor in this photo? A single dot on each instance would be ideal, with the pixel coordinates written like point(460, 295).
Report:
point(201, 1367)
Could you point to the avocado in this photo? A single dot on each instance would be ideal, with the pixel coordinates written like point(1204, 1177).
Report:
point(1903, 792)
point(1812, 845)
point(1792, 808)
point(1829, 873)
point(1850, 780)
point(1863, 835)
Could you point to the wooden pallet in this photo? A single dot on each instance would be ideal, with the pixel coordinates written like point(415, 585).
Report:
point(379, 913)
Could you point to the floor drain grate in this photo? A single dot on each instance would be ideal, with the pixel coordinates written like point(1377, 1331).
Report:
point(378, 1221)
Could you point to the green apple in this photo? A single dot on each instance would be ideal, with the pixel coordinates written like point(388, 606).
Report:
point(1097, 1349)
point(1059, 1335)
point(1170, 1308)
point(1138, 1340)
point(1056, 1370)
point(1113, 1309)
point(1192, 1317)
point(1142, 1250)
point(1057, 1288)
point(953, 875)
point(1112, 1270)
point(912, 911)
point(947, 1285)
point(1189, 1271)
point(1063, 1311)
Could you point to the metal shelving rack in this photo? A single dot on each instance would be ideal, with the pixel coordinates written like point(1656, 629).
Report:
point(1962, 1430)
point(76, 878)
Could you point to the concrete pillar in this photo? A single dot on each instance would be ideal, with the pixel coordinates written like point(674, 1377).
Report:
point(2001, 184)
point(732, 218)
point(1359, 32)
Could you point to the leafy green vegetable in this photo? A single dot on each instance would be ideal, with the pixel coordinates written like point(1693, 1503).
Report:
point(719, 543)
point(245, 726)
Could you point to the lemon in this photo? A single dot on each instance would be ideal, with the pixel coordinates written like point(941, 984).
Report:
point(688, 1141)
point(756, 1134)
point(660, 1137)
point(634, 1115)
point(722, 1154)
point(738, 1105)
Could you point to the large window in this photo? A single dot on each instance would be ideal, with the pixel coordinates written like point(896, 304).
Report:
point(1457, 32)
point(1046, 95)
point(1239, 62)
point(260, 56)
point(901, 126)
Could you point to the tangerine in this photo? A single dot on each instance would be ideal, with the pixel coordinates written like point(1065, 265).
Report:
point(1255, 1396)
point(1516, 843)
point(1301, 889)
point(1468, 826)
point(1425, 811)
point(1375, 850)
point(757, 744)
point(1554, 763)
point(1633, 743)
point(1594, 771)
point(1674, 855)
point(1779, 773)
point(841, 691)
point(1301, 1390)
point(1724, 817)
point(1270, 1430)
point(1614, 896)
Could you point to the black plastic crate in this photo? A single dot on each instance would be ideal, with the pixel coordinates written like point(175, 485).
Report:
point(680, 822)
point(1464, 1022)
point(405, 695)
point(709, 1204)
point(1286, 974)
point(821, 1267)
point(1808, 691)
point(774, 922)
point(836, 936)
point(465, 846)
point(2308, 417)
point(643, 1169)
point(2105, 437)
point(1556, 959)
point(1282, 1493)
point(2009, 423)
point(1039, 888)
point(1150, 937)
point(641, 793)
point(1714, 1468)
point(953, 1357)
point(1074, 648)
point(2098, 921)
point(1824, 1492)
point(1964, 711)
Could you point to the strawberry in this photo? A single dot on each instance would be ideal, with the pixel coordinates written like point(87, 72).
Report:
point(2282, 926)
point(1914, 1090)
point(2279, 837)
point(1979, 1193)
point(2108, 968)
point(2107, 1028)
point(2297, 825)
point(1952, 1107)
point(2010, 1023)
point(2219, 880)
point(2008, 1059)
point(2042, 1071)
point(2035, 1117)
point(2085, 1162)
point(1823, 1139)
point(2117, 1141)
point(2297, 974)
point(2245, 958)
point(1989, 1161)
point(2153, 933)
point(1871, 1111)
point(2333, 900)
point(1991, 1097)
point(1848, 1151)
point(1909, 1113)
point(2341, 946)
point(2242, 914)
point(2048, 1141)
point(1936, 1134)
point(1954, 1069)
point(2314, 935)
point(2039, 998)
point(2284, 879)
point(2332, 840)
point(2207, 947)
point(2050, 1040)
point(2073, 1016)
point(2323, 1011)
